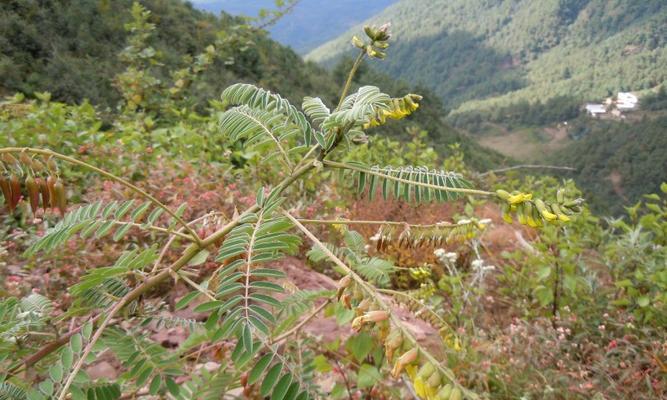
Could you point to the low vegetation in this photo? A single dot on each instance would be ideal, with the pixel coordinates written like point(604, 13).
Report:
point(250, 246)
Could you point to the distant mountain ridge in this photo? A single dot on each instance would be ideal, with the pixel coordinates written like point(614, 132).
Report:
point(309, 24)
point(477, 54)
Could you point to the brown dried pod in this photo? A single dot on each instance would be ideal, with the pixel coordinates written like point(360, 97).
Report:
point(6, 191)
point(50, 183)
point(9, 159)
point(51, 165)
point(406, 359)
point(44, 191)
point(33, 193)
point(15, 184)
point(37, 165)
point(26, 161)
point(60, 196)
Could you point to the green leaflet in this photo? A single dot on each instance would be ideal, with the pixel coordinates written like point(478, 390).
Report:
point(422, 186)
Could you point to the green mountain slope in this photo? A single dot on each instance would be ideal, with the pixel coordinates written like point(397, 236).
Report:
point(70, 48)
point(618, 162)
point(481, 53)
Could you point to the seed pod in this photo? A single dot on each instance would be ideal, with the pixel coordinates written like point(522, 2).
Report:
point(51, 165)
point(16, 190)
point(50, 182)
point(343, 283)
point(559, 212)
point(456, 394)
point(44, 191)
point(406, 359)
point(37, 165)
point(363, 306)
point(434, 380)
point(61, 196)
point(503, 194)
point(346, 299)
point(393, 341)
point(560, 195)
point(445, 392)
point(426, 371)
point(371, 316)
point(9, 159)
point(25, 160)
point(6, 191)
point(33, 193)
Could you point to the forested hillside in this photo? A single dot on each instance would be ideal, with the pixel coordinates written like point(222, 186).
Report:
point(41, 51)
point(479, 53)
point(618, 162)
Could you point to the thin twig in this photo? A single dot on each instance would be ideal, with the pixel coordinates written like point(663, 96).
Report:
point(526, 166)
point(362, 222)
point(303, 322)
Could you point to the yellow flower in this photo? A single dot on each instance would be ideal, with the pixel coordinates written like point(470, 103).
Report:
point(519, 198)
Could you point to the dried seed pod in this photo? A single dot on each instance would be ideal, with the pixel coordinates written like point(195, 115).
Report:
point(60, 196)
point(393, 341)
point(9, 159)
point(37, 165)
point(406, 359)
point(15, 184)
point(371, 316)
point(51, 165)
point(363, 306)
point(44, 191)
point(346, 299)
point(50, 183)
point(6, 191)
point(343, 283)
point(33, 193)
point(26, 161)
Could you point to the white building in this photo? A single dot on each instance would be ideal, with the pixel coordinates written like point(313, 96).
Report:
point(596, 109)
point(626, 101)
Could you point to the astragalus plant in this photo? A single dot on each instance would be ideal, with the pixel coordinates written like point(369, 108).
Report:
point(240, 297)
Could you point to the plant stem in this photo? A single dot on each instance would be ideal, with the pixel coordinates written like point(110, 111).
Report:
point(109, 175)
point(526, 166)
point(363, 222)
point(350, 76)
point(303, 322)
point(370, 291)
point(165, 274)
